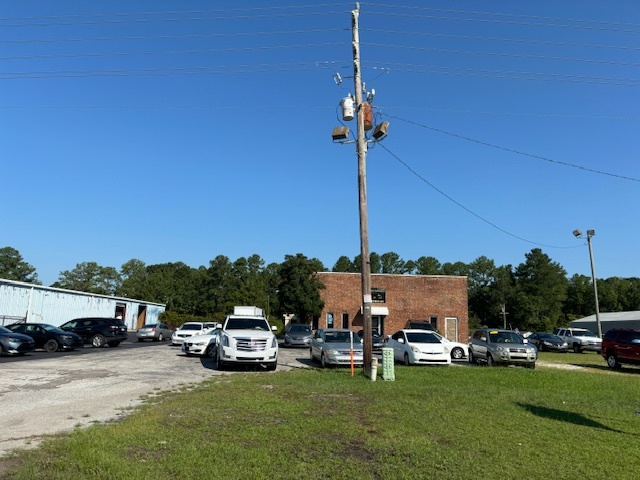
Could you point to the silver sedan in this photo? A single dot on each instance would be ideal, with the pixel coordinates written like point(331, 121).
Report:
point(157, 332)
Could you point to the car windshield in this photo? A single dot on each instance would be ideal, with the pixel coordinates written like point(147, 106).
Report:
point(549, 336)
point(300, 329)
point(338, 337)
point(51, 328)
point(191, 326)
point(583, 333)
point(150, 325)
point(247, 324)
point(421, 338)
point(505, 337)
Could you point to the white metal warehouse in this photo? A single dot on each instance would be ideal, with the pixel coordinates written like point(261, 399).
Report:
point(26, 302)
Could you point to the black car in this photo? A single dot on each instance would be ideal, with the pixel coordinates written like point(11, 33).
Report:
point(548, 342)
point(377, 340)
point(98, 331)
point(48, 337)
point(413, 324)
point(15, 343)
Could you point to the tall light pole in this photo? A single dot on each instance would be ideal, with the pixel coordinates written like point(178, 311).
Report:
point(591, 233)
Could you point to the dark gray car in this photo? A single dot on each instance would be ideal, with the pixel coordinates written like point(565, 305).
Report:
point(15, 343)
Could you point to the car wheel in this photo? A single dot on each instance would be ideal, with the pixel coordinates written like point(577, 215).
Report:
point(311, 357)
point(140, 340)
point(160, 338)
point(51, 346)
point(457, 353)
point(576, 348)
point(406, 359)
point(540, 348)
point(472, 359)
point(323, 361)
point(98, 341)
point(490, 362)
point(210, 352)
point(612, 361)
point(272, 366)
point(531, 365)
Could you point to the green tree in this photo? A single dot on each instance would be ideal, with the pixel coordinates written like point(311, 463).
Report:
point(299, 288)
point(392, 263)
point(428, 266)
point(457, 268)
point(482, 307)
point(135, 280)
point(541, 291)
point(175, 284)
point(345, 265)
point(90, 277)
point(13, 267)
point(374, 262)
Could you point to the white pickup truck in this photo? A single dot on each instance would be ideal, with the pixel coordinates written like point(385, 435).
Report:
point(245, 340)
point(579, 339)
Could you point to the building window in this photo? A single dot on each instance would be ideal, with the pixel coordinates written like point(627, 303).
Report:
point(345, 320)
point(329, 320)
point(433, 320)
point(378, 295)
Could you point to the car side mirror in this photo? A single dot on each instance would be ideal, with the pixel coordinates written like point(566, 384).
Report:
point(484, 339)
point(218, 325)
point(524, 340)
point(636, 341)
point(401, 340)
point(274, 328)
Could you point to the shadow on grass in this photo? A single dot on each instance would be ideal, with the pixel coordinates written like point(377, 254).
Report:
point(569, 417)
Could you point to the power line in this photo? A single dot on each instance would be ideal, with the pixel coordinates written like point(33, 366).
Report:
point(502, 39)
point(170, 37)
point(510, 15)
point(517, 152)
point(500, 54)
point(451, 199)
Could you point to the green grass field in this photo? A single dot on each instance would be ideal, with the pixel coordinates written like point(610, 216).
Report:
point(432, 422)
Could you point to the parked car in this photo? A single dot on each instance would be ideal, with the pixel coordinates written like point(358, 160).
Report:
point(579, 339)
point(457, 350)
point(620, 346)
point(416, 325)
point(496, 346)
point(15, 343)
point(548, 342)
point(423, 347)
point(98, 331)
point(331, 346)
point(298, 335)
point(158, 332)
point(377, 340)
point(48, 337)
point(189, 329)
point(203, 345)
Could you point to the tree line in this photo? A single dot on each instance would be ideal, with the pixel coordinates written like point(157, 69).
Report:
point(534, 295)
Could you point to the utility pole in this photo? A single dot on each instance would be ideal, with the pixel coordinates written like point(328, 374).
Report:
point(504, 316)
point(361, 148)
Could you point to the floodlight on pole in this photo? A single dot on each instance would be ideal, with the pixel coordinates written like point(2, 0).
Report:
point(590, 233)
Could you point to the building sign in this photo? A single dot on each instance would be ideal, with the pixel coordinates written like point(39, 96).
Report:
point(379, 295)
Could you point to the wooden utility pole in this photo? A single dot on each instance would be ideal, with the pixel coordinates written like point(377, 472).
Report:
point(361, 148)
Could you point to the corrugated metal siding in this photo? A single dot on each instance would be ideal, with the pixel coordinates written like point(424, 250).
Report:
point(57, 306)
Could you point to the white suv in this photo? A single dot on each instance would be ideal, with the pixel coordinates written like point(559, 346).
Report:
point(580, 339)
point(247, 339)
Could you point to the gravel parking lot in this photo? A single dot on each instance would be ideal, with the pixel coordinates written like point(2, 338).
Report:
point(43, 394)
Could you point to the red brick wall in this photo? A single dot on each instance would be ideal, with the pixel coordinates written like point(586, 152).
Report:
point(408, 297)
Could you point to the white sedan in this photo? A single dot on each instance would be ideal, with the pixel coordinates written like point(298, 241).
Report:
point(189, 329)
point(457, 350)
point(203, 345)
point(419, 347)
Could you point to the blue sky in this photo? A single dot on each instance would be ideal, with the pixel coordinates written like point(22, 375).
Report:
point(180, 131)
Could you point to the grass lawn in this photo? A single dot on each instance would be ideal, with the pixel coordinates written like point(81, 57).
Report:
point(432, 422)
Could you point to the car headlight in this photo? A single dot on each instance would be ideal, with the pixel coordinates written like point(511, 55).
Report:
point(225, 340)
point(274, 343)
point(547, 343)
point(415, 349)
point(500, 349)
point(331, 351)
point(286, 337)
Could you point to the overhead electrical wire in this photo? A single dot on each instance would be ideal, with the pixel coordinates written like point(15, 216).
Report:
point(517, 152)
point(451, 199)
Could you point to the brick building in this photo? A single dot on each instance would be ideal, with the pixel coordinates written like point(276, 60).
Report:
point(438, 299)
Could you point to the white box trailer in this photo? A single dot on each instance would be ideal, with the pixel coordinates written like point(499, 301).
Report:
point(246, 310)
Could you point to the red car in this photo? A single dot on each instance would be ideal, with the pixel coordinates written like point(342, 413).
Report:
point(621, 346)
